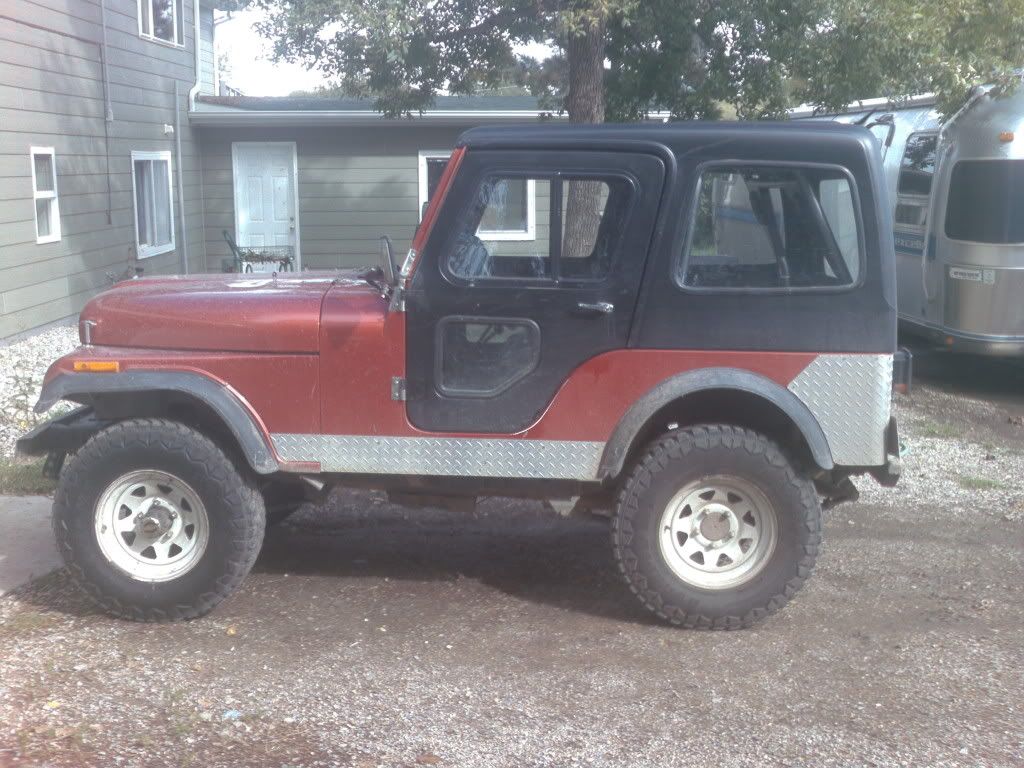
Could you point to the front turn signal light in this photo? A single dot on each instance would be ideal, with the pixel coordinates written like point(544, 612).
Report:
point(97, 366)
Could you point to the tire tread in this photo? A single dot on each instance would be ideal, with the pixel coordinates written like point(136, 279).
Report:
point(237, 493)
point(676, 445)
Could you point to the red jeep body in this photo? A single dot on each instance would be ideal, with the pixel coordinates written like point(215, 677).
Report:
point(543, 375)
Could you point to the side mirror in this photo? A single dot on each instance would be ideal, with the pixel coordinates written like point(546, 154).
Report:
point(387, 261)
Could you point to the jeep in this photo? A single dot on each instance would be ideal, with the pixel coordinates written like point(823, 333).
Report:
point(695, 336)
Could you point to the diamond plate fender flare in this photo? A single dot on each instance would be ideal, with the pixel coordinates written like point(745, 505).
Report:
point(679, 387)
point(222, 400)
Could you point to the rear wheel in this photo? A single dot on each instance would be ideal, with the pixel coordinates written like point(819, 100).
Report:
point(716, 528)
point(155, 522)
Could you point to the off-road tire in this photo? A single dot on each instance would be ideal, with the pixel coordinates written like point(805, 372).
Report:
point(683, 456)
point(233, 504)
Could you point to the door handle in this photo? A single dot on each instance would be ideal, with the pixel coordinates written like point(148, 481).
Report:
point(595, 308)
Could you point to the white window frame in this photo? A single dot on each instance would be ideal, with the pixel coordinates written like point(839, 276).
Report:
point(530, 233)
point(55, 233)
point(147, 251)
point(146, 7)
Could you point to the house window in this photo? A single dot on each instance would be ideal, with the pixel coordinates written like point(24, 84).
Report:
point(154, 208)
point(44, 192)
point(511, 214)
point(162, 20)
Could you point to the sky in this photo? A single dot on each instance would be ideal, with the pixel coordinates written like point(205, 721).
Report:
point(254, 74)
point(252, 71)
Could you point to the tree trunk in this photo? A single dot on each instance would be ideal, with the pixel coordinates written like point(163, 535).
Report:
point(585, 104)
point(584, 100)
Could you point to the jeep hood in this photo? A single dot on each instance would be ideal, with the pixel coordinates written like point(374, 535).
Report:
point(226, 313)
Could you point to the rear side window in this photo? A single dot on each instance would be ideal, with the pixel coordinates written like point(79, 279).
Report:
point(574, 226)
point(773, 226)
point(986, 201)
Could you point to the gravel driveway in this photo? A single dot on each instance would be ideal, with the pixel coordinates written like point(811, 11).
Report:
point(22, 365)
point(369, 635)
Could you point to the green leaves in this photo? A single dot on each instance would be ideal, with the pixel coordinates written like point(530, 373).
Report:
point(693, 58)
point(897, 48)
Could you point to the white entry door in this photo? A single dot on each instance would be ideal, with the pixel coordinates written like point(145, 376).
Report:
point(266, 214)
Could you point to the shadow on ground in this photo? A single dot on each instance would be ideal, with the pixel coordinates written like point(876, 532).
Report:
point(517, 547)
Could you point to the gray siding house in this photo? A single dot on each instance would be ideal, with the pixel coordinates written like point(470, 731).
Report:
point(116, 155)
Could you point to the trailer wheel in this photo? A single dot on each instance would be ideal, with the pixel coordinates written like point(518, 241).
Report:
point(715, 528)
point(154, 521)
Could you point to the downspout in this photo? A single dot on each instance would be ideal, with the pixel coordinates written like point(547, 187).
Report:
point(108, 108)
point(181, 179)
point(192, 93)
point(194, 90)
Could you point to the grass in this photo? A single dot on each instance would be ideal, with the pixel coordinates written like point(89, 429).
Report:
point(24, 478)
point(974, 483)
point(936, 429)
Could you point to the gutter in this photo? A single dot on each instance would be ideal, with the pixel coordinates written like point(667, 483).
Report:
point(238, 117)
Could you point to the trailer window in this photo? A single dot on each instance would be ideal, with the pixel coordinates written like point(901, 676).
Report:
point(773, 226)
point(918, 165)
point(986, 201)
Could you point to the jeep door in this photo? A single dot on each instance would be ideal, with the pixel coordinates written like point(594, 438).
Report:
point(532, 267)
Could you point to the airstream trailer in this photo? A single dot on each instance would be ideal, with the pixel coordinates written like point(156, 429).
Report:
point(956, 188)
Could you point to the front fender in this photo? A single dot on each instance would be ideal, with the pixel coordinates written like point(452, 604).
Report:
point(228, 407)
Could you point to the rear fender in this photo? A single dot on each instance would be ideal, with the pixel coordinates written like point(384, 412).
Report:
point(678, 388)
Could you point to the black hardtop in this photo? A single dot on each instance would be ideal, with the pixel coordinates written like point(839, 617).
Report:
point(676, 136)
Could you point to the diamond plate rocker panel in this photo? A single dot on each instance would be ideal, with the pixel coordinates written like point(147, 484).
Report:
point(850, 396)
point(467, 457)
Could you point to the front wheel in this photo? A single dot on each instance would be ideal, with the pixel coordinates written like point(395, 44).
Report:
point(715, 528)
point(155, 522)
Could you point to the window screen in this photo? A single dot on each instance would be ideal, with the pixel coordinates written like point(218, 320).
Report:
point(918, 166)
point(986, 201)
point(773, 227)
point(575, 226)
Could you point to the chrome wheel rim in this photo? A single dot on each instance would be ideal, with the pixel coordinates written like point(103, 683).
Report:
point(718, 532)
point(151, 525)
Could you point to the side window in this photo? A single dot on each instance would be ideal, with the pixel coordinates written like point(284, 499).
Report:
point(484, 356)
point(575, 225)
point(773, 226)
point(478, 253)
